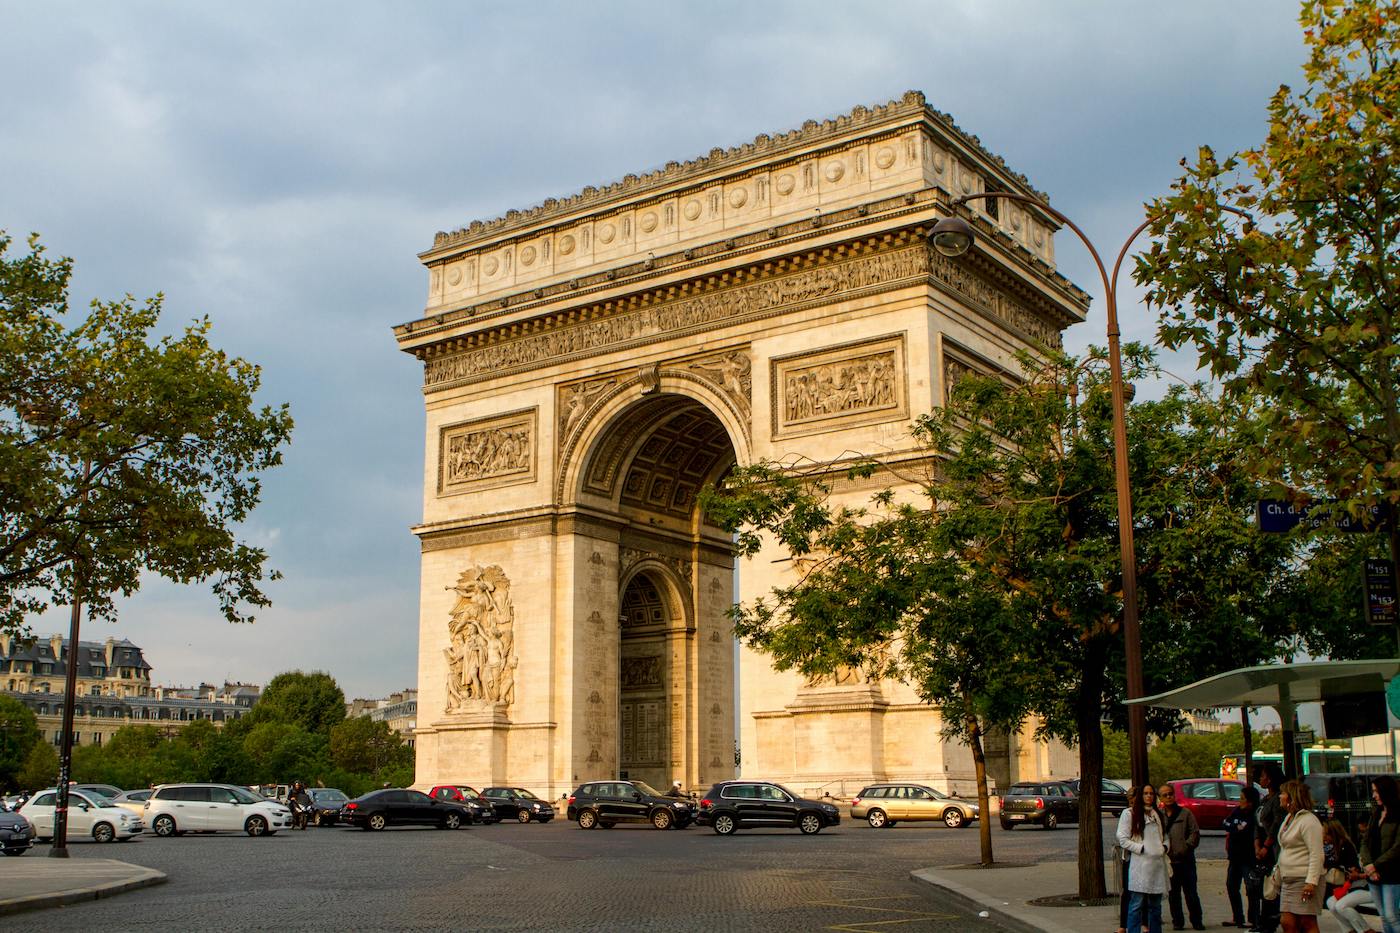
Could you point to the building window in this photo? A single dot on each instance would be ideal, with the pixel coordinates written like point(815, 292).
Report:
point(43, 688)
point(43, 709)
point(97, 738)
point(96, 691)
point(58, 736)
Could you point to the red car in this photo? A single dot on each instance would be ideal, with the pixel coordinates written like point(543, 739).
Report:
point(461, 793)
point(1210, 800)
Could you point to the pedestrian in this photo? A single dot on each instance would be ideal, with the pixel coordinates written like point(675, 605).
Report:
point(1300, 859)
point(1269, 776)
point(1346, 890)
point(1239, 851)
point(1380, 850)
point(1140, 833)
point(1183, 835)
point(1134, 794)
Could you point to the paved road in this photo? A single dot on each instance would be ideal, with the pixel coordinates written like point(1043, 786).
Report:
point(551, 877)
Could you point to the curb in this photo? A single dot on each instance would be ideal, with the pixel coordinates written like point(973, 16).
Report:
point(146, 878)
point(975, 900)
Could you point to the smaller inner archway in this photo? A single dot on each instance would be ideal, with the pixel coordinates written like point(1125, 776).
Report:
point(648, 704)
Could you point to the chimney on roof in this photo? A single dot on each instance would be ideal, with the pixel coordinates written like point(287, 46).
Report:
point(56, 645)
point(111, 650)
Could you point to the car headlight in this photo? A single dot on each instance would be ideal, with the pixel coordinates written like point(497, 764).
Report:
point(678, 805)
point(534, 806)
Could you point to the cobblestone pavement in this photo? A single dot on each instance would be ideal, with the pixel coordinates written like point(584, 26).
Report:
point(551, 877)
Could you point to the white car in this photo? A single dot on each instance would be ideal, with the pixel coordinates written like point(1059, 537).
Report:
point(133, 800)
point(211, 808)
point(88, 815)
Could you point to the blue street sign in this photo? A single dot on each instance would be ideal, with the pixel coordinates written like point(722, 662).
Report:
point(1276, 516)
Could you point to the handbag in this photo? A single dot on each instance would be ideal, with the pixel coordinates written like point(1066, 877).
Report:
point(1272, 884)
point(1335, 877)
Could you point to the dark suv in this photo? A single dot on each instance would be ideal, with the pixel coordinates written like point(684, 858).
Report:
point(606, 803)
point(1048, 803)
point(730, 805)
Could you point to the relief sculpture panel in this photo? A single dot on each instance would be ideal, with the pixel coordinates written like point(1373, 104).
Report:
point(480, 654)
point(840, 386)
point(491, 452)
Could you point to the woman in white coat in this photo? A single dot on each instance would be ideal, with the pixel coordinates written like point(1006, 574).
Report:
point(1140, 835)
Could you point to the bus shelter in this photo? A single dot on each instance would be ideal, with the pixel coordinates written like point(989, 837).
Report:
point(1355, 690)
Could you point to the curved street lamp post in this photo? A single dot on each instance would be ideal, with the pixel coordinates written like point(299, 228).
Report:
point(953, 236)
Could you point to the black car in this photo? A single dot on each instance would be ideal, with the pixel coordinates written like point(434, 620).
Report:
point(326, 803)
point(398, 807)
point(731, 805)
point(1113, 798)
point(469, 797)
point(606, 803)
point(16, 835)
point(1046, 803)
point(517, 803)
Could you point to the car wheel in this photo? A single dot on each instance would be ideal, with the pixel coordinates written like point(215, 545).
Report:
point(522, 815)
point(587, 819)
point(163, 825)
point(377, 821)
point(876, 818)
point(1006, 825)
point(952, 818)
point(809, 823)
point(725, 824)
point(1051, 821)
point(255, 826)
point(103, 832)
point(661, 819)
point(452, 821)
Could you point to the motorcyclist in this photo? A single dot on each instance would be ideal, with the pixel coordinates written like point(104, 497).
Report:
point(301, 804)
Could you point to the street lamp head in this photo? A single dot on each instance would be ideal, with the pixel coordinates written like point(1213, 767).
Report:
point(952, 236)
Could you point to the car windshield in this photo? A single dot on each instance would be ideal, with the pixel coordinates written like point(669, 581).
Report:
point(243, 796)
point(96, 799)
point(525, 794)
point(788, 792)
point(645, 788)
point(327, 794)
point(936, 794)
point(467, 791)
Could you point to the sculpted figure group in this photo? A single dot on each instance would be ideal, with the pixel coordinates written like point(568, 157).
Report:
point(480, 656)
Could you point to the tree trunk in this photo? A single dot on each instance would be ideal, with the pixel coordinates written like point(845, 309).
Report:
point(1088, 706)
point(984, 806)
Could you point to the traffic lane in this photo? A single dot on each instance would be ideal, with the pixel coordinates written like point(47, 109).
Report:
point(513, 877)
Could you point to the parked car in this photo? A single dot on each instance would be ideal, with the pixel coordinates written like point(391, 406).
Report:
point(88, 815)
point(1210, 800)
point(399, 807)
point(1047, 803)
point(106, 790)
point(469, 797)
point(133, 800)
point(325, 805)
point(732, 805)
point(519, 804)
point(606, 803)
point(209, 808)
point(16, 835)
point(883, 805)
point(1113, 798)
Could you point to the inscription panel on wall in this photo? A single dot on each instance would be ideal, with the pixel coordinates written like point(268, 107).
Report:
point(488, 452)
point(839, 386)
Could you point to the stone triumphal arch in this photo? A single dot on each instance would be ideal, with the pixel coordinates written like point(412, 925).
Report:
point(591, 363)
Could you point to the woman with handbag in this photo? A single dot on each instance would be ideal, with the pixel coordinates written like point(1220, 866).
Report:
point(1380, 850)
point(1140, 835)
point(1300, 857)
point(1342, 872)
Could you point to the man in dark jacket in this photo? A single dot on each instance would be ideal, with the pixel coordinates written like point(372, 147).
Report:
point(1269, 776)
point(1183, 835)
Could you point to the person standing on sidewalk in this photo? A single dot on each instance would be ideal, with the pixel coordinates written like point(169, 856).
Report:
point(1182, 835)
point(1380, 850)
point(1239, 850)
point(1269, 776)
point(1140, 833)
point(1300, 859)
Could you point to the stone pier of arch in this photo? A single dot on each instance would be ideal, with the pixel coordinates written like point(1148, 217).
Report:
point(592, 363)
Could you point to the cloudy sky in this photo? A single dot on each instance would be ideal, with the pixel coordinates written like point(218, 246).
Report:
point(278, 166)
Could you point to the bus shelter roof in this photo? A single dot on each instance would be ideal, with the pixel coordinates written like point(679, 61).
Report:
point(1278, 684)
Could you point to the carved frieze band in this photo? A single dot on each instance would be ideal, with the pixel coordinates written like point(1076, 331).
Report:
point(488, 452)
point(829, 283)
point(990, 299)
point(840, 386)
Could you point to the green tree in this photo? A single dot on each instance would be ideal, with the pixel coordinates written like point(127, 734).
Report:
point(40, 768)
point(121, 452)
point(19, 732)
point(363, 745)
point(313, 702)
point(281, 752)
point(1296, 310)
point(1019, 516)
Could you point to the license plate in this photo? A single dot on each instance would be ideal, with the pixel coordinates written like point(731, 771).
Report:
point(1015, 816)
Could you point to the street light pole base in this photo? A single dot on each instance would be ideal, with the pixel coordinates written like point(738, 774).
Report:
point(58, 853)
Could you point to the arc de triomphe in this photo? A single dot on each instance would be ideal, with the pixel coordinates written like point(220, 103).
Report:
point(591, 363)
